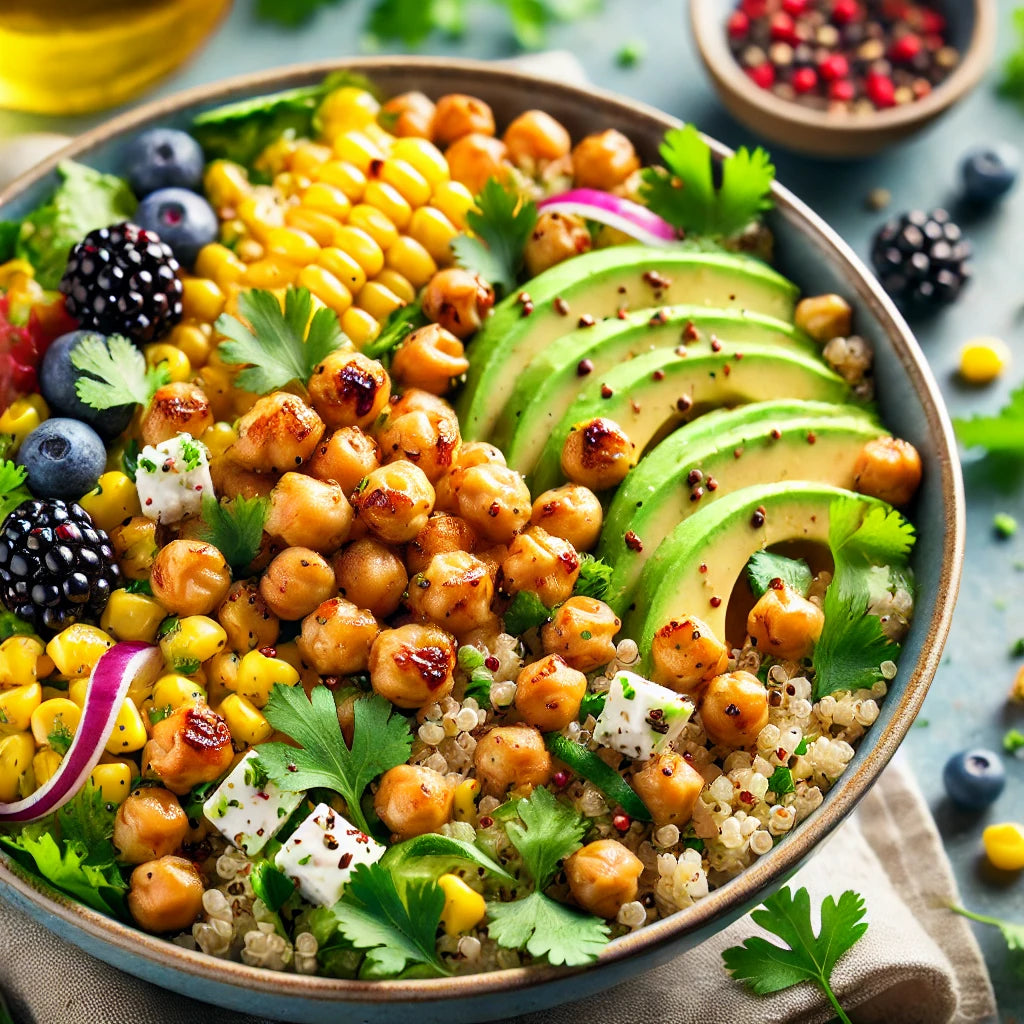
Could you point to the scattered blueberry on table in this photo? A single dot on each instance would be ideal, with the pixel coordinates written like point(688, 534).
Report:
point(974, 779)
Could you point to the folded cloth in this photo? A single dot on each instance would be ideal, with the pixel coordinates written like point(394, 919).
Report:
point(917, 964)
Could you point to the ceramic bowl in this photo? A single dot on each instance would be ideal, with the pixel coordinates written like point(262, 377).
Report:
point(812, 254)
point(972, 30)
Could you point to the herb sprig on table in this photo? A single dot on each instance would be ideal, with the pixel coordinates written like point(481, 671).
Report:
point(1012, 83)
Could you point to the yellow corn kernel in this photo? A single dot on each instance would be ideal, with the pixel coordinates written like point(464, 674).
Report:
point(16, 753)
point(289, 184)
point(219, 438)
point(378, 301)
point(135, 545)
point(380, 137)
point(44, 765)
point(982, 360)
point(328, 199)
point(52, 692)
point(246, 722)
point(113, 780)
point(464, 908)
point(374, 222)
point(218, 263)
point(20, 661)
point(191, 641)
point(357, 149)
point(225, 183)
point(114, 498)
point(411, 260)
point(129, 733)
point(173, 358)
point(297, 247)
point(342, 266)
point(261, 213)
point(289, 652)
point(131, 616)
point(396, 283)
point(222, 676)
point(424, 157)
point(387, 200)
point(201, 299)
point(16, 707)
point(78, 689)
point(434, 231)
point(192, 342)
point(359, 325)
point(407, 180)
point(272, 272)
point(454, 200)
point(326, 287)
point(349, 107)
point(76, 650)
point(361, 247)
point(257, 675)
point(464, 805)
point(316, 224)
point(344, 176)
point(174, 690)
point(277, 156)
point(308, 156)
point(21, 417)
point(54, 722)
point(1004, 845)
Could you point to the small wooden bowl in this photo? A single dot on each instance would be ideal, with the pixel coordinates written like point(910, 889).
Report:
point(972, 28)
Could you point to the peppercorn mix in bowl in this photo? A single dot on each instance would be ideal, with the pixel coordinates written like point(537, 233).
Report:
point(542, 582)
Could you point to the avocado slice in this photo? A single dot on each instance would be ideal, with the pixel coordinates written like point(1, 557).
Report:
point(597, 285)
point(764, 442)
point(655, 392)
point(695, 567)
point(551, 380)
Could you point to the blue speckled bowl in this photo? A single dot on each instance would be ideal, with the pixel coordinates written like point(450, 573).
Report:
point(819, 261)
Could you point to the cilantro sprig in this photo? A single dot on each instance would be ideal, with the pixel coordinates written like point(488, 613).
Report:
point(765, 566)
point(12, 487)
point(1013, 933)
point(1002, 433)
point(380, 740)
point(767, 967)
point(234, 526)
point(595, 578)
point(114, 372)
point(526, 611)
point(686, 196)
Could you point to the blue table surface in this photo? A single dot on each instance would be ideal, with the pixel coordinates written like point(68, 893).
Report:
point(967, 704)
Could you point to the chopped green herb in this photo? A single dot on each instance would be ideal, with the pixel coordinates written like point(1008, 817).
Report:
point(592, 704)
point(192, 805)
point(631, 53)
point(765, 566)
point(187, 666)
point(169, 625)
point(1012, 83)
point(159, 714)
point(399, 325)
point(430, 855)
point(139, 587)
point(130, 458)
point(526, 611)
point(192, 454)
point(470, 658)
point(1013, 741)
point(60, 736)
point(586, 635)
point(594, 579)
point(781, 781)
point(1001, 434)
point(11, 625)
point(1004, 524)
point(12, 487)
point(1017, 650)
point(235, 527)
point(256, 775)
point(114, 372)
point(271, 885)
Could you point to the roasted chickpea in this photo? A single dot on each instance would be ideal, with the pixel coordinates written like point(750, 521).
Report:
point(135, 547)
point(394, 501)
point(279, 432)
point(190, 577)
point(472, 453)
point(494, 500)
point(669, 786)
point(602, 876)
point(371, 576)
point(548, 566)
point(166, 895)
point(572, 512)
point(418, 400)
point(457, 299)
point(189, 746)
point(888, 468)
point(549, 693)
point(246, 619)
point(535, 137)
point(734, 709)
point(598, 454)
point(474, 159)
point(413, 800)
point(409, 114)
point(297, 581)
point(349, 389)
point(582, 630)
point(512, 755)
point(230, 480)
point(783, 624)
point(442, 533)
point(431, 358)
point(311, 513)
point(454, 591)
point(178, 408)
point(603, 160)
point(824, 317)
point(457, 114)
point(686, 654)
point(555, 238)
point(345, 457)
point(429, 440)
point(413, 665)
point(149, 824)
point(336, 638)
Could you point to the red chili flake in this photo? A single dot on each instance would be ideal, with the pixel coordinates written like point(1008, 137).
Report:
point(268, 652)
point(494, 510)
point(782, 754)
point(726, 370)
point(561, 306)
point(656, 279)
point(746, 796)
point(560, 779)
point(758, 517)
point(737, 356)
point(811, 437)
point(622, 821)
point(716, 602)
point(486, 821)
point(583, 367)
point(658, 375)
point(633, 542)
point(586, 321)
point(376, 166)
point(634, 405)
point(777, 583)
point(606, 392)
point(703, 567)
point(344, 860)
point(332, 682)
point(684, 403)
point(492, 663)
point(622, 312)
point(737, 453)
point(690, 332)
point(659, 319)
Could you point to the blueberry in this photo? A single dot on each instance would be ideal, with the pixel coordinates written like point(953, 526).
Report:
point(182, 219)
point(974, 778)
point(63, 458)
point(162, 157)
point(57, 379)
point(989, 172)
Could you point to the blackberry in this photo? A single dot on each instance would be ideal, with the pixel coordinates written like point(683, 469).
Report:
point(56, 566)
point(123, 280)
point(922, 259)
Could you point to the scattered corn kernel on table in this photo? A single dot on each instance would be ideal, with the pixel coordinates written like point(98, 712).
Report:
point(967, 705)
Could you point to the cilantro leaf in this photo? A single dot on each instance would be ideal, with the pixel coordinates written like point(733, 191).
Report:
point(594, 579)
point(114, 372)
point(12, 487)
point(1013, 741)
point(525, 611)
point(399, 325)
point(767, 967)
point(278, 347)
point(1012, 933)
point(545, 927)
point(502, 221)
point(1002, 433)
point(686, 195)
point(381, 740)
point(553, 831)
point(234, 526)
point(396, 929)
point(1012, 83)
point(59, 737)
point(764, 566)
point(880, 535)
point(406, 21)
point(781, 781)
point(271, 885)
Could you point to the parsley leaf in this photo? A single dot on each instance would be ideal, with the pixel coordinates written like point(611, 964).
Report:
point(235, 527)
point(278, 347)
point(381, 740)
point(594, 579)
point(764, 567)
point(399, 325)
point(12, 487)
point(1012, 933)
point(525, 611)
point(767, 967)
point(502, 222)
point(1002, 433)
point(114, 372)
point(1012, 83)
point(686, 195)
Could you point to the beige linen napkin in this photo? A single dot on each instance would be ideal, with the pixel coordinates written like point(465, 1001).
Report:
point(917, 964)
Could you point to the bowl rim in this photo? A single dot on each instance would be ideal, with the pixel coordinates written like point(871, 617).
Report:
point(160, 954)
point(709, 36)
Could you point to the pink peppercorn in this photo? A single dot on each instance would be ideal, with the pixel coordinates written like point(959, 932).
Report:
point(905, 49)
point(795, 7)
point(621, 821)
point(834, 67)
point(880, 90)
point(763, 75)
point(805, 79)
point(845, 11)
point(783, 28)
point(738, 25)
point(561, 779)
point(842, 91)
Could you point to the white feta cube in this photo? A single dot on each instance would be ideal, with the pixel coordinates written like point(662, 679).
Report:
point(640, 718)
point(247, 808)
point(321, 854)
point(172, 478)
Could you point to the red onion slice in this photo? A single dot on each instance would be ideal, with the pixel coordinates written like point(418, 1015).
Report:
point(617, 212)
point(115, 672)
